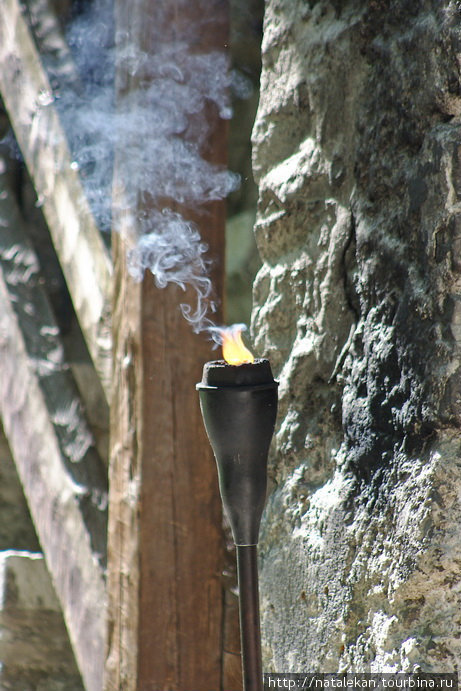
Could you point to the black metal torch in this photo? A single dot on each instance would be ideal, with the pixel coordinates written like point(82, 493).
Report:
point(239, 407)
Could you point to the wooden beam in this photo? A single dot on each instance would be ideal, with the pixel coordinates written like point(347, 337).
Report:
point(63, 478)
point(16, 527)
point(165, 542)
point(55, 54)
point(34, 647)
point(27, 95)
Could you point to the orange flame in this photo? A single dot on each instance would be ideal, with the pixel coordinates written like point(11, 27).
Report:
point(233, 349)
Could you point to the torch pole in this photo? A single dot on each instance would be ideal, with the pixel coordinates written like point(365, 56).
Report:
point(250, 633)
point(239, 406)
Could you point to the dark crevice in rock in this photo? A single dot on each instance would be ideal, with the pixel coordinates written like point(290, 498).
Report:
point(349, 271)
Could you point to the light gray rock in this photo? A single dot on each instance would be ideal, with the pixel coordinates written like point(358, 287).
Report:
point(357, 155)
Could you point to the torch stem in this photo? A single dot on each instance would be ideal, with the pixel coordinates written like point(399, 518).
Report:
point(250, 633)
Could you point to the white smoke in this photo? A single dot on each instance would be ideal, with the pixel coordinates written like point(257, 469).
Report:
point(161, 128)
point(174, 252)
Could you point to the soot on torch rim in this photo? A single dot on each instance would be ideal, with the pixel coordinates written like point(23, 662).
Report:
point(239, 407)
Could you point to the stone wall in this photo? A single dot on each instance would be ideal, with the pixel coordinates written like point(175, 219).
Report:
point(357, 152)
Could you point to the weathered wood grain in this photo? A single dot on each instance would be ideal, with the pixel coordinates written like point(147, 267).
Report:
point(42, 18)
point(28, 97)
point(165, 543)
point(165, 560)
point(34, 646)
point(63, 478)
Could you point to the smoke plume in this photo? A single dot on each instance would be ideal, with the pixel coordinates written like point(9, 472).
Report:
point(162, 126)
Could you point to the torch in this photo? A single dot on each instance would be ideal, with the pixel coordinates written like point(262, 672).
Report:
point(238, 399)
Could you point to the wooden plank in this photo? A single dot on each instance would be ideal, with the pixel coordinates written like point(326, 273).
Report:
point(165, 542)
point(81, 251)
point(55, 54)
point(34, 646)
point(16, 527)
point(124, 483)
point(63, 478)
point(165, 549)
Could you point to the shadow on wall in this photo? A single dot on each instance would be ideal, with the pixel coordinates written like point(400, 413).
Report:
point(242, 258)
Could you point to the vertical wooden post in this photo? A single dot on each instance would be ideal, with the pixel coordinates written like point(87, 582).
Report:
point(165, 552)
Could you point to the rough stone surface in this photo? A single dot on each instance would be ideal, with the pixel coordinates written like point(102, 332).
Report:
point(357, 154)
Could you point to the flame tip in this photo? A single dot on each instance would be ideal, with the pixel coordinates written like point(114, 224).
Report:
point(234, 350)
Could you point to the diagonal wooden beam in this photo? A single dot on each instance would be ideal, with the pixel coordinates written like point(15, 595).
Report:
point(55, 54)
point(63, 478)
point(84, 259)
